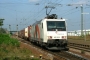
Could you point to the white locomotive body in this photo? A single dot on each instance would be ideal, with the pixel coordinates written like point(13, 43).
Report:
point(51, 33)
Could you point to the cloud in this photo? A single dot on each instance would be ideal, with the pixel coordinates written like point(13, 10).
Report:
point(82, 2)
point(33, 0)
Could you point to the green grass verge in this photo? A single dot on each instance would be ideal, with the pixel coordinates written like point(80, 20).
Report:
point(10, 49)
point(5, 39)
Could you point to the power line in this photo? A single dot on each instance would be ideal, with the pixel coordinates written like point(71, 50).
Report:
point(19, 3)
point(60, 1)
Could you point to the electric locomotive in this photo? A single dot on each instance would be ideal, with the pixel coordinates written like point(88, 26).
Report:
point(50, 32)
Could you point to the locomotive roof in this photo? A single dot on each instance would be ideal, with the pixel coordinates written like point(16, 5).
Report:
point(48, 20)
point(36, 22)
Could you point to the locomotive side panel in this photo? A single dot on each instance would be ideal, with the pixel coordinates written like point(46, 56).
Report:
point(32, 33)
point(44, 31)
point(22, 33)
point(37, 32)
point(27, 33)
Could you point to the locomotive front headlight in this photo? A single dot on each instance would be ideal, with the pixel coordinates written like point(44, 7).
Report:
point(49, 37)
point(63, 37)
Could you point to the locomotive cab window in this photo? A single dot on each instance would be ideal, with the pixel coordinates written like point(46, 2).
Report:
point(53, 25)
point(42, 25)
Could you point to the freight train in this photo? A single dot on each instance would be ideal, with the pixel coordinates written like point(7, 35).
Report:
point(49, 32)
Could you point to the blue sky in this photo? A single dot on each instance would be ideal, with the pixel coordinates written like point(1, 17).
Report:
point(26, 12)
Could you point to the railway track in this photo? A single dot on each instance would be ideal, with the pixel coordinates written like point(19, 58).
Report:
point(79, 46)
point(71, 56)
point(60, 55)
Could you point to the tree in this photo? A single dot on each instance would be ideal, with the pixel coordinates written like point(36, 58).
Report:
point(1, 22)
point(2, 30)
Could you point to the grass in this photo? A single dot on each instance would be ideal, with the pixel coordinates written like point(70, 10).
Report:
point(10, 49)
point(5, 39)
point(79, 37)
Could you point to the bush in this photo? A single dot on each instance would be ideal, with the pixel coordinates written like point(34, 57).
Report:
point(5, 39)
point(2, 30)
point(10, 49)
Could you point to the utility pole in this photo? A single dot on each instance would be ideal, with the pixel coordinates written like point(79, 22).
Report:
point(81, 5)
point(84, 26)
point(81, 20)
point(17, 30)
point(9, 29)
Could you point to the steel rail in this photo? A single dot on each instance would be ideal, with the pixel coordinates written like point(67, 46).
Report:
point(79, 46)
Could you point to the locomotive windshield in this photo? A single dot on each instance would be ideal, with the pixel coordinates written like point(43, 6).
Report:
point(56, 25)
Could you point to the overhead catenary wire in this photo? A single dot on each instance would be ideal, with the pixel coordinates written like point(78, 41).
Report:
point(69, 11)
point(38, 15)
point(19, 3)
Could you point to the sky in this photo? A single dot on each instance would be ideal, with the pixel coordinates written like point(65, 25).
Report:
point(25, 12)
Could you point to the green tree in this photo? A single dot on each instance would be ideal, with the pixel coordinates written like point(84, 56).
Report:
point(1, 22)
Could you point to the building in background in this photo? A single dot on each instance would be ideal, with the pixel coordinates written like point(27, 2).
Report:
point(78, 32)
